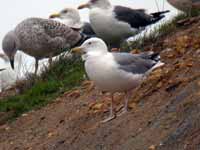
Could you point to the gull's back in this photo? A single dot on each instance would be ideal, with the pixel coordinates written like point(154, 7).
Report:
point(41, 37)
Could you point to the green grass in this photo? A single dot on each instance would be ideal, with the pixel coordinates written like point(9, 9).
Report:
point(62, 76)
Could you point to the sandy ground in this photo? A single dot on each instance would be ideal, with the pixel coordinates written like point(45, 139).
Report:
point(164, 111)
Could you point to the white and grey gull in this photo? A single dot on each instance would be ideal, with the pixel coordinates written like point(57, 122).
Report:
point(71, 17)
point(185, 5)
point(40, 38)
point(115, 72)
point(114, 24)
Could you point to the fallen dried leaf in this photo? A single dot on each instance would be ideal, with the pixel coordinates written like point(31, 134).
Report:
point(152, 147)
point(190, 65)
point(24, 115)
point(7, 128)
point(132, 105)
point(11, 143)
point(89, 85)
point(50, 134)
point(135, 51)
point(97, 106)
point(73, 94)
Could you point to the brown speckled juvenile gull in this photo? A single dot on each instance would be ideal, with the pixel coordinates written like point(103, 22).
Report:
point(40, 38)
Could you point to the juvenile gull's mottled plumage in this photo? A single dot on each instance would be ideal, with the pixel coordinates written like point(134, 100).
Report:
point(115, 72)
point(40, 38)
point(114, 24)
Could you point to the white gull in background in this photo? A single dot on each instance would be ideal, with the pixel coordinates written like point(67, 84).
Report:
point(40, 38)
point(71, 18)
point(114, 24)
point(185, 5)
point(115, 72)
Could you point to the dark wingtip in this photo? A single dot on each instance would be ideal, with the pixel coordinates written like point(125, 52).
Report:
point(12, 64)
point(158, 14)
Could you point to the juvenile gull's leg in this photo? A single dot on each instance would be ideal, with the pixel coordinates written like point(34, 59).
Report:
point(50, 60)
point(36, 66)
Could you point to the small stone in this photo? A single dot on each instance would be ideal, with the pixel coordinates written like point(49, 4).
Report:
point(97, 106)
point(7, 128)
point(24, 115)
point(152, 147)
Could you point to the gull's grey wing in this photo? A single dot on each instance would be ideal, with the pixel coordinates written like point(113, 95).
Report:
point(132, 63)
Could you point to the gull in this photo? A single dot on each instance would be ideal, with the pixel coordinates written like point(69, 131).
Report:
point(71, 17)
point(40, 38)
point(114, 24)
point(185, 5)
point(115, 72)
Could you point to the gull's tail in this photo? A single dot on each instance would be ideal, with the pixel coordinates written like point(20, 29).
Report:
point(158, 15)
point(154, 57)
point(150, 55)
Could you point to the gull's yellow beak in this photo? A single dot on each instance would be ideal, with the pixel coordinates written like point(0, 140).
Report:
point(84, 6)
point(77, 50)
point(56, 15)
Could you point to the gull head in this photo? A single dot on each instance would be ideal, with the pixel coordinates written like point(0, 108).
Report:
point(68, 16)
point(92, 47)
point(96, 4)
point(9, 45)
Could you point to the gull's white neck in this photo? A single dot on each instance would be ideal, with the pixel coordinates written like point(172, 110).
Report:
point(94, 55)
point(102, 5)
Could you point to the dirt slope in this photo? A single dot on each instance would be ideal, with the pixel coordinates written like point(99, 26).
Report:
point(164, 115)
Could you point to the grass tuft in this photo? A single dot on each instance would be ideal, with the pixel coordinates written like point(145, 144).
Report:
point(65, 73)
point(156, 33)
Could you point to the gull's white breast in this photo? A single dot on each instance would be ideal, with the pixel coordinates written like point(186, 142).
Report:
point(107, 76)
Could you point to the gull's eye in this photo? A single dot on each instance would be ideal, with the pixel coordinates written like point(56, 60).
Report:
point(90, 43)
point(93, 1)
point(64, 11)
